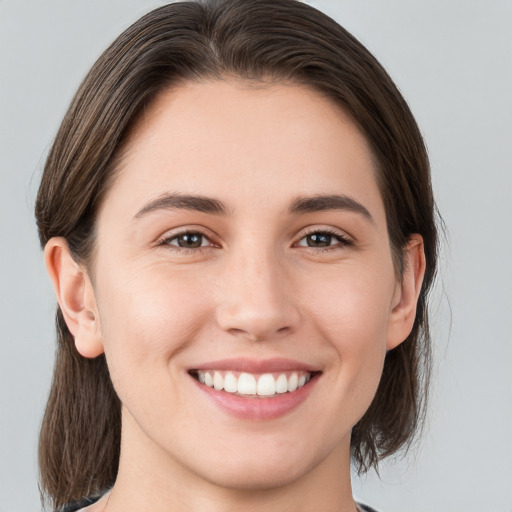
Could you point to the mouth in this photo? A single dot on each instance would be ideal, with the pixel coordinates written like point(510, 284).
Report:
point(256, 389)
point(254, 385)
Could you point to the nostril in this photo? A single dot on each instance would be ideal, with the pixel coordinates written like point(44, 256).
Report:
point(257, 321)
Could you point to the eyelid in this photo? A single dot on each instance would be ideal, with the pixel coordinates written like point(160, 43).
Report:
point(174, 233)
point(345, 239)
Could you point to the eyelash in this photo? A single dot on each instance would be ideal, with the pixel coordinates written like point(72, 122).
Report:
point(342, 241)
point(166, 241)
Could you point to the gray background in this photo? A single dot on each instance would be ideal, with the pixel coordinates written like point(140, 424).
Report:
point(452, 61)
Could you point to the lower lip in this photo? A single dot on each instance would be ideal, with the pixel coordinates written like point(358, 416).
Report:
point(253, 408)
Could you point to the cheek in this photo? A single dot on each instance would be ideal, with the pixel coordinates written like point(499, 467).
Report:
point(353, 306)
point(145, 322)
point(352, 314)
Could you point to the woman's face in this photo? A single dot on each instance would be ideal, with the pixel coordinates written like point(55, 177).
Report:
point(244, 244)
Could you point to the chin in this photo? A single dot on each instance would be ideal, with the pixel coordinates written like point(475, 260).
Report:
point(256, 477)
point(262, 466)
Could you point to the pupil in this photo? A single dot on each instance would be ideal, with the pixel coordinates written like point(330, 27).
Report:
point(190, 240)
point(319, 240)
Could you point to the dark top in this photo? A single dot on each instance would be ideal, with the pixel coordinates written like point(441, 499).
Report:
point(77, 505)
point(365, 508)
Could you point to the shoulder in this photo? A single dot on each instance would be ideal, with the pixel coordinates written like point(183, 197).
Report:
point(365, 508)
point(76, 506)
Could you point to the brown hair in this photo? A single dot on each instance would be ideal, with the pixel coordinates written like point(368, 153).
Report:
point(276, 40)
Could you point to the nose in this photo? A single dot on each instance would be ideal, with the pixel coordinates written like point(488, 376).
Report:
point(257, 299)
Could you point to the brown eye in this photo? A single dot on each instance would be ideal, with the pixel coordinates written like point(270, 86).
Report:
point(319, 240)
point(324, 239)
point(191, 240)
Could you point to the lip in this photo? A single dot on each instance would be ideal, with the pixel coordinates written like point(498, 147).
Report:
point(257, 408)
point(257, 366)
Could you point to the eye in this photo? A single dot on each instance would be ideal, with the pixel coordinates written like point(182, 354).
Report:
point(188, 240)
point(323, 239)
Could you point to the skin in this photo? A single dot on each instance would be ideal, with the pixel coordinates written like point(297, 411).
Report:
point(253, 289)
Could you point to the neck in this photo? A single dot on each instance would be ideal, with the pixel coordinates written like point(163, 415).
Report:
point(149, 479)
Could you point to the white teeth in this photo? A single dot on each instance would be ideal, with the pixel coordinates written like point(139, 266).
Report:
point(282, 384)
point(248, 384)
point(230, 383)
point(293, 382)
point(218, 381)
point(266, 385)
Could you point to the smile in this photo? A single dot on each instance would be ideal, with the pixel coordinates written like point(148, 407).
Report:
point(253, 385)
point(255, 389)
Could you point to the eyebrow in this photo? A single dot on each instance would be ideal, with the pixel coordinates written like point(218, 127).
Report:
point(320, 203)
point(183, 202)
point(203, 204)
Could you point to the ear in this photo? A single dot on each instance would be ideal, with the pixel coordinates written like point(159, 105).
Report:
point(407, 292)
point(75, 295)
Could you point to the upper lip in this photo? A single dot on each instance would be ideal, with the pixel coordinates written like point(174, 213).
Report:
point(256, 365)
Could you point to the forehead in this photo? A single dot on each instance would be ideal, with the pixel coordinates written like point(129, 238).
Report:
point(229, 139)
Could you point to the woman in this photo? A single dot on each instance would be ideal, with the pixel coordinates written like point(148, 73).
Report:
point(239, 226)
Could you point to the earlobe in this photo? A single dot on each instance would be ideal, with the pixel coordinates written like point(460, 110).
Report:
point(403, 313)
point(75, 295)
